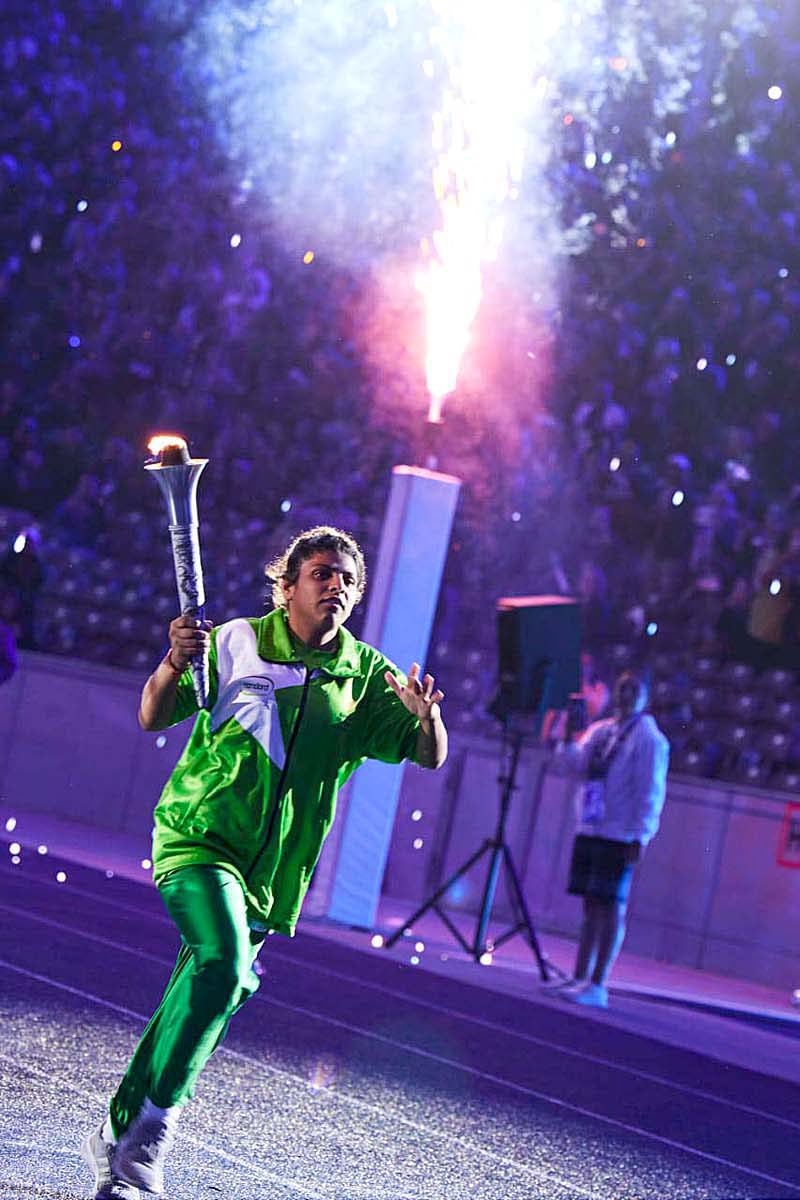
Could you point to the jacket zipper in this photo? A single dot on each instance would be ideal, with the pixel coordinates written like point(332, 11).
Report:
point(284, 773)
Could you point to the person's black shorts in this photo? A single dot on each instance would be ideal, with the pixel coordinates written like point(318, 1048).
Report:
point(600, 869)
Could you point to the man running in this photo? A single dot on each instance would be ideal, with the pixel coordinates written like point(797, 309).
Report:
point(296, 703)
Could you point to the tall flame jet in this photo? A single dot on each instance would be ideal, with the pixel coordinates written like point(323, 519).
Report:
point(486, 51)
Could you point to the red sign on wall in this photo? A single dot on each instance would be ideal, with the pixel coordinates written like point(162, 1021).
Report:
point(789, 838)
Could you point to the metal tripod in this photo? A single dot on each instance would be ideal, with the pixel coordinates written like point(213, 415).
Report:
point(499, 856)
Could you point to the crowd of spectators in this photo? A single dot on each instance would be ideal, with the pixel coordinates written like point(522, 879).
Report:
point(140, 295)
point(653, 475)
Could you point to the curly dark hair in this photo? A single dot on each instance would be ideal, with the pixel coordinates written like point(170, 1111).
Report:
point(286, 567)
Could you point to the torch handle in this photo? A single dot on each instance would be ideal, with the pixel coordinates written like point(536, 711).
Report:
point(191, 595)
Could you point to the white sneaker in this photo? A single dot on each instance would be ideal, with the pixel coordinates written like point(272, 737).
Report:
point(99, 1155)
point(140, 1152)
point(593, 995)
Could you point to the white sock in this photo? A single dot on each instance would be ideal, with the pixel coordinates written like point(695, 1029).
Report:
point(150, 1111)
point(107, 1133)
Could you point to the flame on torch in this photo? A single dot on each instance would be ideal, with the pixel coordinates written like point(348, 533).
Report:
point(478, 138)
point(161, 441)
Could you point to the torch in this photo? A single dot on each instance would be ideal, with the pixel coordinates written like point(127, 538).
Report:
point(177, 475)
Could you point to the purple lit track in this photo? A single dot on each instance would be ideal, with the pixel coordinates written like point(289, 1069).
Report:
point(351, 1075)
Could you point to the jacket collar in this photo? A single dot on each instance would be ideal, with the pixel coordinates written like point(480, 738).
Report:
point(275, 645)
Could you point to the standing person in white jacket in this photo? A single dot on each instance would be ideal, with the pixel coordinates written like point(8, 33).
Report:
point(624, 763)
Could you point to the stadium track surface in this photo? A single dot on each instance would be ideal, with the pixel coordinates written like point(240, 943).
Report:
point(351, 1076)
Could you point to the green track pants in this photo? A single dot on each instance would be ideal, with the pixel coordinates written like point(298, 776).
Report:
point(212, 979)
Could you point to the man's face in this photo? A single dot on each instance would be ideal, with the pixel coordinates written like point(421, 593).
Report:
point(629, 697)
point(325, 592)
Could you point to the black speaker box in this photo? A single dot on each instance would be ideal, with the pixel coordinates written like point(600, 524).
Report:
point(539, 652)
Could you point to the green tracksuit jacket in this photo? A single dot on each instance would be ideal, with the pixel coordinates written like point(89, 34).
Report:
point(255, 788)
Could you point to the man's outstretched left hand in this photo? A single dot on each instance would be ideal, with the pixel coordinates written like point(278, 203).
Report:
point(418, 695)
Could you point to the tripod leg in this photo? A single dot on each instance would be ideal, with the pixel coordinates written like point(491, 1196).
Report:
point(489, 891)
point(522, 908)
point(437, 895)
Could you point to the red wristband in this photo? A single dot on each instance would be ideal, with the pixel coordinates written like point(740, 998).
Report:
point(171, 664)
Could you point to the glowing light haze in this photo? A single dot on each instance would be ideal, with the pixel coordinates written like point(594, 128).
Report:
point(337, 115)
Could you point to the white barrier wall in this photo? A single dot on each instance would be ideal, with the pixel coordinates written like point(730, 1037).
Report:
point(70, 745)
point(709, 894)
